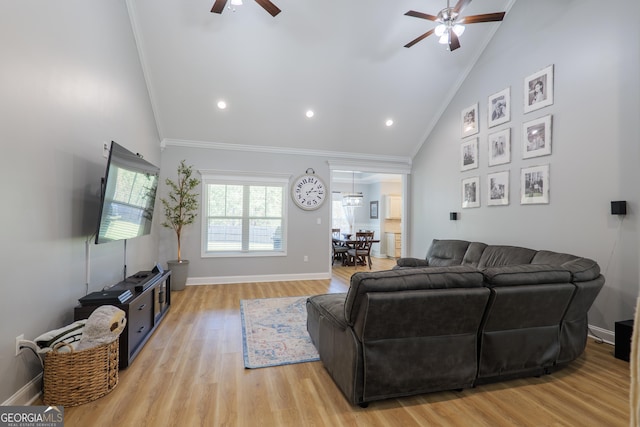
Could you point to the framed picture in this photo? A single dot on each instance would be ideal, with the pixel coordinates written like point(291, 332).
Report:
point(534, 185)
point(471, 192)
point(469, 154)
point(536, 137)
point(499, 107)
point(469, 119)
point(500, 147)
point(373, 210)
point(538, 90)
point(498, 189)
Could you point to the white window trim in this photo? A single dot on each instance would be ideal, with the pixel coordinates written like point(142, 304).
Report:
point(240, 177)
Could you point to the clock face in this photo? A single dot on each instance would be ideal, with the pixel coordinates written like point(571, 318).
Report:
point(308, 192)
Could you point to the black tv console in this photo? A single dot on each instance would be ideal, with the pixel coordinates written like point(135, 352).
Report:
point(149, 303)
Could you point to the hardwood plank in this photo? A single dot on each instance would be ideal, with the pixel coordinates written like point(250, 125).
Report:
point(191, 372)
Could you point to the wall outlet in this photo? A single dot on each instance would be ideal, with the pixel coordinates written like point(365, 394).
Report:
point(19, 339)
point(306, 258)
point(105, 150)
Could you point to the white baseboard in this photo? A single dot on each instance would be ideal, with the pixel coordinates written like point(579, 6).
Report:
point(27, 394)
point(219, 280)
point(605, 335)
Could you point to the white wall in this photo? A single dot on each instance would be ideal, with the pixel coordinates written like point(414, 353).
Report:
point(306, 236)
point(595, 151)
point(70, 80)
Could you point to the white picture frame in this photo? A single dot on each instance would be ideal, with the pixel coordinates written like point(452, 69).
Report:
point(469, 120)
point(534, 185)
point(498, 188)
point(469, 154)
point(499, 144)
point(536, 137)
point(471, 192)
point(499, 108)
point(538, 89)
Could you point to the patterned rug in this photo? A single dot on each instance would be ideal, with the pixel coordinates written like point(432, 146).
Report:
point(274, 332)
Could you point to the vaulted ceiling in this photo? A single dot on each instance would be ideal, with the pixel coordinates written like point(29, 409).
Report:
point(344, 60)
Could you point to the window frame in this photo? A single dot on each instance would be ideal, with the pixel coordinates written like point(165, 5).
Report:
point(244, 179)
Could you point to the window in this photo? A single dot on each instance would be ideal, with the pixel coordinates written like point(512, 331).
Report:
point(338, 214)
point(244, 216)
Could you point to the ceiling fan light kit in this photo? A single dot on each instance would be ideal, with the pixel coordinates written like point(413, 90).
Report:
point(450, 24)
point(272, 9)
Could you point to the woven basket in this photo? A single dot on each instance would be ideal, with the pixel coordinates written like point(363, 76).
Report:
point(78, 377)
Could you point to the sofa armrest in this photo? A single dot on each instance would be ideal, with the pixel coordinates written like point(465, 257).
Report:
point(582, 269)
point(412, 262)
point(330, 306)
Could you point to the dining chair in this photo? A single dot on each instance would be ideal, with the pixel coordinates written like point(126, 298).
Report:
point(339, 250)
point(361, 251)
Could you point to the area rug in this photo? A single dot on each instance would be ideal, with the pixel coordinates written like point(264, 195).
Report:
point(274, 332)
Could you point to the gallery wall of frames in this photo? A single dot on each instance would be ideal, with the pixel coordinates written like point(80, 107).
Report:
point(534, 134)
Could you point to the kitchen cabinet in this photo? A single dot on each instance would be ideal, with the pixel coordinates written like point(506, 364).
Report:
point(393, 208)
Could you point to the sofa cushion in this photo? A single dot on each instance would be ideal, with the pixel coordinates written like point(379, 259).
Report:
point(474, 253)
point(411, 262)
point(446, 252)
point(497, 256)
point(525, 274)
point(407, 280)
point(582, 269)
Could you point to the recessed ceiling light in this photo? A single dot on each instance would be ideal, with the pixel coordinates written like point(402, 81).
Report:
point(222, 105)
point(309, 113)
point(389, 122)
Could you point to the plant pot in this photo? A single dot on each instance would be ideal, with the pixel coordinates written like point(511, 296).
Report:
point(179, 273)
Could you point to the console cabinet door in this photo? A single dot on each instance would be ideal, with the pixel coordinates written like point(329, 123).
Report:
point(140, 320)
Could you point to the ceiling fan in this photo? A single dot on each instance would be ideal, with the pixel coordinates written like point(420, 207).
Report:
point(219, 5)
point(451, 24)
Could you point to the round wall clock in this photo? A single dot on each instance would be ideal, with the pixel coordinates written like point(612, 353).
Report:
point(308, 191)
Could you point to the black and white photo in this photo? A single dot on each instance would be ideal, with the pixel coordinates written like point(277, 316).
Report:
point(498, 189)
point(469, 154)
point(471, 192)
point(500, 147)
point(536, 137)
point(469, 118)
point(538, 90)
point(534, 185)
point(499, 107)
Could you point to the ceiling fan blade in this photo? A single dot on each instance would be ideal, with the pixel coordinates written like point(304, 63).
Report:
point(269, 7)
point(421, 15)
point(218, 6)
point(454, 42)
point(417, 39)
point(461, 5)
point(487, 17)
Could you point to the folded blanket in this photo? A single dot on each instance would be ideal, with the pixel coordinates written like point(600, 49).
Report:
point(104, 325)
point(69, 334)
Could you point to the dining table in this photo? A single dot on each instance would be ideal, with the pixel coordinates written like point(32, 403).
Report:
point(349, 241)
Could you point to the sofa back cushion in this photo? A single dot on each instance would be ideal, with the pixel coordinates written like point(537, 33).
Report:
point(446, 252)
point(525, 274)
point(582, 269)
point(498, 256)
point(407, 280)
point(474, 253)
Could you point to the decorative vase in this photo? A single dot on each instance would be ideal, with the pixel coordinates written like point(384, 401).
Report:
point(179, 273)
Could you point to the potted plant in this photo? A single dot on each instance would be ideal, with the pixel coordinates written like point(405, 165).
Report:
point(180, 210)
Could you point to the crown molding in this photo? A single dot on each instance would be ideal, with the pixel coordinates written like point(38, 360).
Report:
point(382, 159)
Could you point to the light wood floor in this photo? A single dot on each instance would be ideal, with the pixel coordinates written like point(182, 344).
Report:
point(191, 373)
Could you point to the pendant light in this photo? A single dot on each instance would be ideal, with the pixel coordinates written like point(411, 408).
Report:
point(353, 199)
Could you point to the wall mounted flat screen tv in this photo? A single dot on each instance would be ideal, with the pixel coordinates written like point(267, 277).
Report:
point(128, 196)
